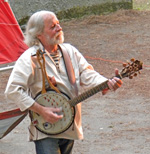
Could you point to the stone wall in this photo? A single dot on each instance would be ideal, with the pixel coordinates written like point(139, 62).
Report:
point(24, 8)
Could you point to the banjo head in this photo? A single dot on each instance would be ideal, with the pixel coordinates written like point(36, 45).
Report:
point(54, 100)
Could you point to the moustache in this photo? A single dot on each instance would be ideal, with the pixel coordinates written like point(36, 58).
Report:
point(59, 34)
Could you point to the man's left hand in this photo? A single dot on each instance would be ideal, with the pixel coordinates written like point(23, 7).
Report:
point(113, 83)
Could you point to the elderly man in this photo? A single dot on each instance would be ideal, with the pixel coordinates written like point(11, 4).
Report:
point(44, 34)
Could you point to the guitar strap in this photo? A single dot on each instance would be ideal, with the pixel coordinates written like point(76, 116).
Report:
point(40, 56)
point(69, 67)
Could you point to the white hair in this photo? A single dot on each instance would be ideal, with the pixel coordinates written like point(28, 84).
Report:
point(35, 26)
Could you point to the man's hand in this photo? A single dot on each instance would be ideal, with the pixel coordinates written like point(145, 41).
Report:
point(51, 115)
point(113, 83)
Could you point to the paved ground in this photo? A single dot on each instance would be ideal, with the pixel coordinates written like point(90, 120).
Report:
point(119, 122)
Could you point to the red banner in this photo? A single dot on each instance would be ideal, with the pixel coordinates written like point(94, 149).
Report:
point(11, 47)
point(11, 36)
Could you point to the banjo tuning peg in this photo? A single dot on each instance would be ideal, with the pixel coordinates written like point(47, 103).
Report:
point(132, 60)
point(130, 77)
point(124, 64)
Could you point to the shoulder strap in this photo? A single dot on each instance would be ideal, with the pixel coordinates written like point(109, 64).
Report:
point(69, 67)
point(40, 56)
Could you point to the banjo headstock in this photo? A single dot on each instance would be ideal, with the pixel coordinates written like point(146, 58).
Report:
point(131, 69)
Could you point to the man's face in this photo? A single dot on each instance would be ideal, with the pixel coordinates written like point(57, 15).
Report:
point(52, 33)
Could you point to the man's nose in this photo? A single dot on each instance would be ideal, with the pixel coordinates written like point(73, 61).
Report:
point(59, 28)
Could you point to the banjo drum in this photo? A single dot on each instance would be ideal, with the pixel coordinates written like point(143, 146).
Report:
point(54, 100)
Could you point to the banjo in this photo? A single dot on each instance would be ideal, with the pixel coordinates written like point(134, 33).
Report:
point(52, 98)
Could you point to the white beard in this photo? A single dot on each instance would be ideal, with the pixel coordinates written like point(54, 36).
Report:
point(58, 39)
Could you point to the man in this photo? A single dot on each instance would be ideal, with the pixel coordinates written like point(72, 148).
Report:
point(44, 32)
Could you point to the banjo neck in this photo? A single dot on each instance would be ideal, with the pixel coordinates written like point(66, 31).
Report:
point(128, 71)
point(88, 93)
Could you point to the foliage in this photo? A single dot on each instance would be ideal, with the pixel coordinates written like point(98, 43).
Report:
point(141, 4)
point(78, 12)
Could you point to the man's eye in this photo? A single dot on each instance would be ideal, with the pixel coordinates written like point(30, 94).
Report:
point(53, 26)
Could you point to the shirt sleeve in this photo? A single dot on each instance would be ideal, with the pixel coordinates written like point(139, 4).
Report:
point(88, 76)
point(17, 89)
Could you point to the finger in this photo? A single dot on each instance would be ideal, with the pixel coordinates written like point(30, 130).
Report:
point(113, 84)
point(58, 111)
point(116, 71)
point(118, 81)
point(110, 84)
point(55, 117)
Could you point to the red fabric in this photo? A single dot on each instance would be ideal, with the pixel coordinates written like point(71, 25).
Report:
point(12, 113)
point(11, 36)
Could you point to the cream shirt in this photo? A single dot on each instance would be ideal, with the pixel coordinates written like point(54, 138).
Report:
point(25, 83)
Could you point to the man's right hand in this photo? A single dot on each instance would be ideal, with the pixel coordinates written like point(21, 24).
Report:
point(50, 115)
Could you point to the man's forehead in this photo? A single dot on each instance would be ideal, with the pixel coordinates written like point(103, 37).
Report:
point(51, 18)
